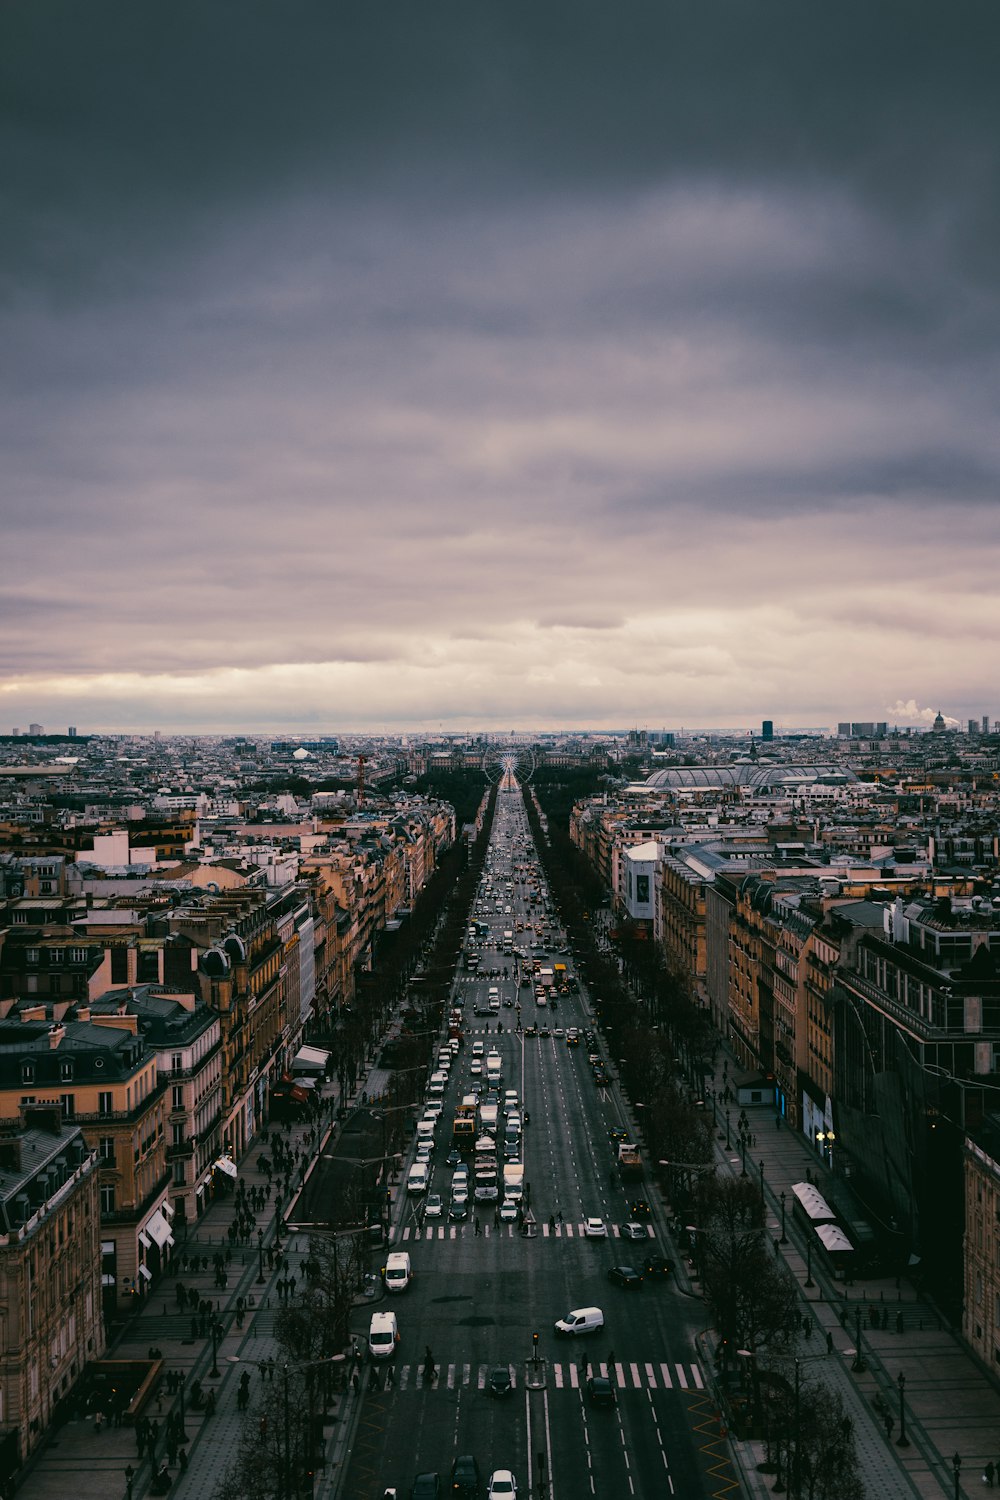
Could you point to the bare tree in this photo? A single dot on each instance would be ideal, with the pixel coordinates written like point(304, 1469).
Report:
point(751, 1293)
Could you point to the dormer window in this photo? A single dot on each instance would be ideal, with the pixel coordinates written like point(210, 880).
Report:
point(66, 1070)
point(27, 1072)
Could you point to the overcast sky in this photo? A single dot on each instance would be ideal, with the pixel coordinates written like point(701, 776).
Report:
point(498, 365)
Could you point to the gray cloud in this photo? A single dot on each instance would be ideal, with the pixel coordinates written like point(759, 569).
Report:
point(539, 365)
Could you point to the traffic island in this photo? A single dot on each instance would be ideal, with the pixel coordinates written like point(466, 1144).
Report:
point(535, 1373)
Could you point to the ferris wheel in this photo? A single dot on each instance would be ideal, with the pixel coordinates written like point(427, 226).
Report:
point(509, 762)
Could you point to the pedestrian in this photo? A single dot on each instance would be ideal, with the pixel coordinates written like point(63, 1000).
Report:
point(777, 1122)
point(476, 1223)
point(890, 1422)
point(989, 1473)
point(899, 1321)
point(270, 1369)
point(829, 1342)
point(183, 1459)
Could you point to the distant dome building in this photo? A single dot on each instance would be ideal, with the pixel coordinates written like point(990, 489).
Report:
point(939, 726)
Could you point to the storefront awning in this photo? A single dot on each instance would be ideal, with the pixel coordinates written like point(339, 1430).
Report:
point(145, 1273)
point(310, 1060)
point(228, 1167)
point(159, 1229)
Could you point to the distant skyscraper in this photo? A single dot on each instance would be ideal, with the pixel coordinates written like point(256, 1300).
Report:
point(973, 727)
point(35, 729)
point(767, 729)
point(72, 731)
point(986, 723)
point(844, 729)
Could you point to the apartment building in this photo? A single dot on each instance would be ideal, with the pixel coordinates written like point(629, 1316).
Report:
point(186, 1037)
point(50, 1274)
point(101, 1075)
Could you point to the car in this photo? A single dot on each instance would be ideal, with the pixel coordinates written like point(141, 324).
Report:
point(626, 1276)
point(424, 1151)
point(601, 1079)
point(658, 1267)
point(531, 1031)
point(634, 1231)
point(617, 1133)
point(465, 1477)
point(500, 1381)
point(477, 1066)
point(458, 1209)
point(425, 1487)
point(600, 1391)
point(508, 1212)
point(433, 1109)
point(595, 1229)
point(543, 1031)
point(503, 1485)
point(478, 1049)
point(558, 1031)
point(433, 1206)
point(639, 1209)
point(454, 1158)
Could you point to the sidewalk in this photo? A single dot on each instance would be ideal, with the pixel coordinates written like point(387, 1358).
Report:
point(77, 1461)
point(951, 1405)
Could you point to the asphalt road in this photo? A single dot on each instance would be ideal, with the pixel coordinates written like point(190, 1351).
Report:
point(477, 1300)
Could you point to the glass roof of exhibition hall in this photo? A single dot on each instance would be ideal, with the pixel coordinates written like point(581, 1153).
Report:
point(750, 774)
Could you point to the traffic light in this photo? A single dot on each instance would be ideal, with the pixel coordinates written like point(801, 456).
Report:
point(534, 1340)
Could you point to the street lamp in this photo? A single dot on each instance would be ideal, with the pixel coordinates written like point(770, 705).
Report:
point(260, 1257)
point(213, 1373)
point(181, 1378)
point(743, 1148)
point(760, 1166)
point(902, 1441)
point(956, 1464)
point(784, 1236)
point(728, 1146)
point(809, 1265)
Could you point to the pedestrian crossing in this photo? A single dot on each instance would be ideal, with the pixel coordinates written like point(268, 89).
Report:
point(568, 1376)
point(504, 1231)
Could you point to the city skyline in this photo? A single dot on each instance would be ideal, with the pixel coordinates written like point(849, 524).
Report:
point(450, 371)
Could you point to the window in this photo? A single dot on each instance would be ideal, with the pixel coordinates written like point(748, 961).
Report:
point(176, 1061)
point(105, 1102)
point(107, 1198)
point(57, 956)
point(177, 1096)
point(66, 1069)
point(68, 1102)
point(27, 1072)
point(78, 955)
point(177, 1134)
point(106, 1149)
point(179, 1168)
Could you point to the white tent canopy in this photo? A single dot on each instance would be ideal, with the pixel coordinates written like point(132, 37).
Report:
point(310, 1060)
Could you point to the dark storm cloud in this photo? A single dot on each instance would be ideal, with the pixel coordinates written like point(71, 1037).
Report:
point(447, 357)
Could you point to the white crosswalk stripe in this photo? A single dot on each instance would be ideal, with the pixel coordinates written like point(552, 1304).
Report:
point(568, 1376)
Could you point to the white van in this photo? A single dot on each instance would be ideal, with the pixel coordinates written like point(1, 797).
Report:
point(581, 1320)
point(425, 1130)
point(397, 1271)
point(437, 1084)
point(418, 1177)
point(383, 1335)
